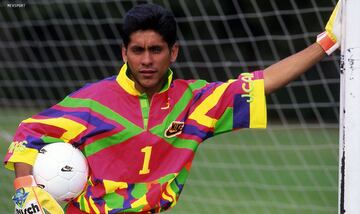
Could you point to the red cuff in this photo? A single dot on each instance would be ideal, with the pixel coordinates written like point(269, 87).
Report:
point(326, 42)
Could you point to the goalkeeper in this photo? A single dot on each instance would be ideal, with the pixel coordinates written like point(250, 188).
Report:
point(140, 129)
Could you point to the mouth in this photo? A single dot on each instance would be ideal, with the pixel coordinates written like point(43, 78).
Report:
point(147, 72)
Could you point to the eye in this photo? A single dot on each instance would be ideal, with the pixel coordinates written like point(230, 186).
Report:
point(156, 49)
point(137, 50)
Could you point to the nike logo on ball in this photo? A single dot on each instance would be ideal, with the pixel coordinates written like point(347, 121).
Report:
point(67, 169)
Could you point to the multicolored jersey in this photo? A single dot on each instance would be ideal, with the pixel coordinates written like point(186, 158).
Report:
point(139, 151)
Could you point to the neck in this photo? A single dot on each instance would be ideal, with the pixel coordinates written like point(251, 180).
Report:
point(150, 91)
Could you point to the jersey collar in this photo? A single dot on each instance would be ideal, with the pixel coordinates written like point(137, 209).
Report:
point(129, 85)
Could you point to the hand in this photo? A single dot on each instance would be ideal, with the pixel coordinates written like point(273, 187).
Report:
point(330, 39)
point(30, 198)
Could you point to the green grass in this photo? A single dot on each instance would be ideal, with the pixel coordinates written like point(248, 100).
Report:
point(265, 171)
point(276, 170)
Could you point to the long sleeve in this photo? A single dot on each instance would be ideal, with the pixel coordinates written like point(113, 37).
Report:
point(56, 124)
point(222, 107)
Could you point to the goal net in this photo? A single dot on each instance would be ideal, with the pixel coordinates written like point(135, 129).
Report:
point(50, 48)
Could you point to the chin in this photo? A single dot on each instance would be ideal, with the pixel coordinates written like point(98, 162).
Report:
point(148, 85)
point(150, 82)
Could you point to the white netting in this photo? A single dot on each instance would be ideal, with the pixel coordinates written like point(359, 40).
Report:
point(50, 48)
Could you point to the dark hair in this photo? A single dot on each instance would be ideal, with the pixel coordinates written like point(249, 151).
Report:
point(150, 17)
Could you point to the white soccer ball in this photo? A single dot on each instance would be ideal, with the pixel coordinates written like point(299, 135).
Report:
point(62, 170)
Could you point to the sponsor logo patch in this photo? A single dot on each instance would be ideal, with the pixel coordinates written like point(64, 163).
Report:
point(174, 129)
point(17, 146)
point(248, 86)
point(20, 197)
point(30, 208)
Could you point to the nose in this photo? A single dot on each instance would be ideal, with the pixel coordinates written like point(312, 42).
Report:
point(147, 58)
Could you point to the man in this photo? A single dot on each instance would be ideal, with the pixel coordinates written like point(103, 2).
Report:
point(139, 131)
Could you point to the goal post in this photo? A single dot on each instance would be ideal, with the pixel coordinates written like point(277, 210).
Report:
point(349, 187)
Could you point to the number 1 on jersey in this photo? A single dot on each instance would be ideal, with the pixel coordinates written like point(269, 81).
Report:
point(147, 153)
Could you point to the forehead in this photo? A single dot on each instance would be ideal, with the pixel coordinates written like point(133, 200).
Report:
point(146, 38)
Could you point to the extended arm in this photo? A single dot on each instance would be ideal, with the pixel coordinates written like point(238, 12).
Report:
point(288, 69)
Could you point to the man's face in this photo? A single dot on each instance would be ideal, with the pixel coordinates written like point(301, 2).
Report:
point(148, 57)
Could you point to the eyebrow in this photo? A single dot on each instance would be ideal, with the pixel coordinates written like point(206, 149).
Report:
point(139, 48)
point(149, 47)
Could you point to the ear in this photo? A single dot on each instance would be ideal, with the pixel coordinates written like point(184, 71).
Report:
point(123, 53)
point(174, 52)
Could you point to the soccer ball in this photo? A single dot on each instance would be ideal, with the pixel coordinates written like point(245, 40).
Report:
point(62, 170)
